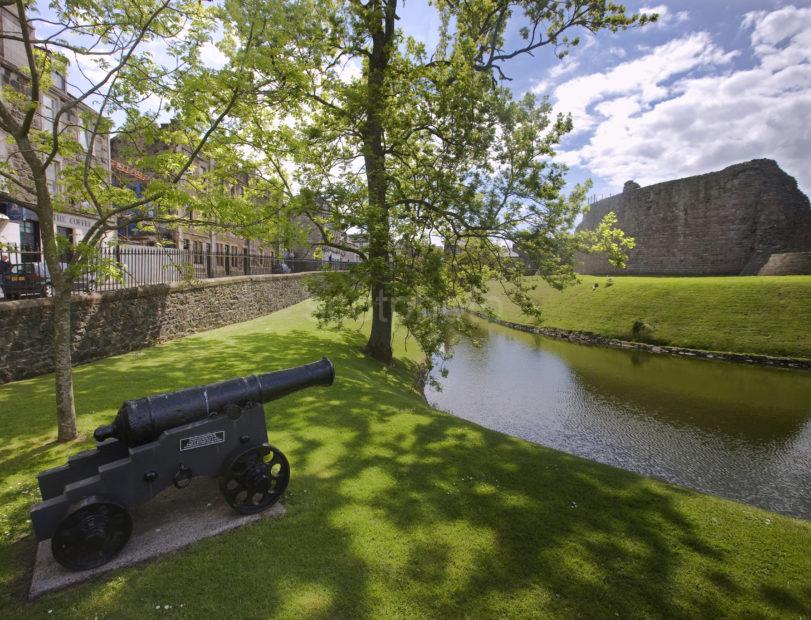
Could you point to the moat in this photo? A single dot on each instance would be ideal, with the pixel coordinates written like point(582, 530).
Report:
point(736, 431)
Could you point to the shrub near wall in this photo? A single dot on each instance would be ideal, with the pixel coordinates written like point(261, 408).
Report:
point(115, 322)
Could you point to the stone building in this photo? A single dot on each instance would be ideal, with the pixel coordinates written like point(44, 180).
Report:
point(230, 252)
point(311, 245)
point(746, 219)
point(214, 252)
point(20, 227)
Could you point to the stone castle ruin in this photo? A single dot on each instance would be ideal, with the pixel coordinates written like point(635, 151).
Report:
point(748, 219)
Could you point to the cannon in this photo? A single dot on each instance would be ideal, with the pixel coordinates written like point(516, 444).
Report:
point(216, 430)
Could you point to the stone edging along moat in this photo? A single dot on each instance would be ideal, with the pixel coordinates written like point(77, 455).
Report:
point(594, 339)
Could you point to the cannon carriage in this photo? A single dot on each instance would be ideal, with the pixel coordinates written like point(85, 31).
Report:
point(155, 442)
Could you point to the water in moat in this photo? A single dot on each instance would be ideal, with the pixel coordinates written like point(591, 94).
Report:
point(738, 431)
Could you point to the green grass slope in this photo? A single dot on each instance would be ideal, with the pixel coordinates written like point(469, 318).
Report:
point(396, 509)
point(766, 315)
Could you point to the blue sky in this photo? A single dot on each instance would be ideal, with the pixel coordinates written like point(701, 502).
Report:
point(715, 82)
point(712, 84)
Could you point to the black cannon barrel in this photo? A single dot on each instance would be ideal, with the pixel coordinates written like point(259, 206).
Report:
point(143, 420)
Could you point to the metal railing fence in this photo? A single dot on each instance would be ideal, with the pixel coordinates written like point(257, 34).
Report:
point(25, 274)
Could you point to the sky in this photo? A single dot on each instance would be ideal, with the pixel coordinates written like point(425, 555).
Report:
point(713, 83)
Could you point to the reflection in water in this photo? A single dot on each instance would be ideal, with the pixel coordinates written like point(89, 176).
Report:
point(743, 432)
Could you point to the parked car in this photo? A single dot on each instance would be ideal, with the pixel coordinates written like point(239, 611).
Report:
point(33, 280)
point(26, 280)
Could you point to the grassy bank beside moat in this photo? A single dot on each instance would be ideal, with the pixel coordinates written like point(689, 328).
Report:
point(398, 510)
point(767, 315)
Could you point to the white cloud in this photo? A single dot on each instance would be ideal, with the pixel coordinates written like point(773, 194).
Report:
point(563, 67)
point(646, 77)
point(771, 32)
point(350, 71)
point(569, 64)
point(679, 110)
point(88, 71)
point(211, 56)
point(665, 16)
point(660, 9)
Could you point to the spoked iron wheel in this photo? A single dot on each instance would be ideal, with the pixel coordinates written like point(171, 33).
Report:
point(255, 479)
point(91, 535)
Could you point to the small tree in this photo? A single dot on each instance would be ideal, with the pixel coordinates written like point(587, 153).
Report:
point(113, 43)
point(428, 156)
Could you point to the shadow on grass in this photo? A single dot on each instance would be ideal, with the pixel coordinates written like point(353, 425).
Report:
point(395, 509)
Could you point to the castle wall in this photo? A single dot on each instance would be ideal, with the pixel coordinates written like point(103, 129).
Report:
point(722, 223)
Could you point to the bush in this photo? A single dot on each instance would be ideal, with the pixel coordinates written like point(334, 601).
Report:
point(642, 331)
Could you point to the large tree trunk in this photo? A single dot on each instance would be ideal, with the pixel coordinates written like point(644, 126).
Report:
point(379, 345)
point(62, 289)
point(65, 407)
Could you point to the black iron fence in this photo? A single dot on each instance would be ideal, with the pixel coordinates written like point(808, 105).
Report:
point(25, 274)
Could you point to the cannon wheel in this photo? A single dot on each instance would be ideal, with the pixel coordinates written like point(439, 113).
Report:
point(91, 534)
point(255, 479)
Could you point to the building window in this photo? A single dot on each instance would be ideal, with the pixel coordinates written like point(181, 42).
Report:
point(220, 258)
point(67, 234)
point(84, 136)
point(29, 241)
point(198, 253)
point(48, 112)
point(186, 244)
point(52, 174)
point(58, 80)
point(234, 256)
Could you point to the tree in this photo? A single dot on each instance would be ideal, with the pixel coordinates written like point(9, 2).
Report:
point(118, 46)
point(431, 160)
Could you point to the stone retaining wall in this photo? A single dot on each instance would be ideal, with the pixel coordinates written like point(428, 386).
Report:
point(595, 339)
point(115, 322)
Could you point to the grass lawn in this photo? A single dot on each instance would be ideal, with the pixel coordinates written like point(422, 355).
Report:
point(762, 314)
point(396, 509)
